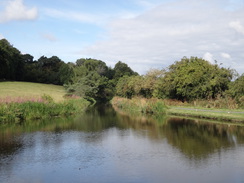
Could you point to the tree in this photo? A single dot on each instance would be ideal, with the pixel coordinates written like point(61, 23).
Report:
point(49, 70)
point(66, 72)
point(123, 88)
point(237, 90)
point(11, 62)
point(122, 69)
point(237, 87)
point(194, 78)
point(90, 80)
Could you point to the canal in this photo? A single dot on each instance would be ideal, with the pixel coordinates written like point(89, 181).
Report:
point(106, 146)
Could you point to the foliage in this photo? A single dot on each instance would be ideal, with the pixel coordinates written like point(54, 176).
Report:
point(11, 62)
point(188, 80)
point(89, 80)
point(141, 105)
point(194, 78)
point(237, 90)
point(122, 69)
point(15, 66)
point(94, 80)
point(143, 86)
point(29, 110)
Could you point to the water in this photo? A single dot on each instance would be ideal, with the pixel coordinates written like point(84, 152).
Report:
point(104, 146)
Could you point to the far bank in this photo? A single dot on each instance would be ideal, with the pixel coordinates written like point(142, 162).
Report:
point(158, 107)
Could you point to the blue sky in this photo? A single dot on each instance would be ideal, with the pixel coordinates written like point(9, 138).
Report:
point(142, 33)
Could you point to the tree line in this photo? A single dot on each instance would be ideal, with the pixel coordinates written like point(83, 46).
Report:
point(188, 79)
point(88, 78)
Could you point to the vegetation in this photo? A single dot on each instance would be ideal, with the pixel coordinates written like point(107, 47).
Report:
point(29, 110)
point(93, 80)
point(220, 114)
point(88, 78)
point(26, 90)
point(36, 101)
point(15, 66)
point(140, 105)
point(190, 81)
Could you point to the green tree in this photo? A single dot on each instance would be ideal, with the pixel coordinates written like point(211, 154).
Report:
point(90, 80)
point(123, 88)
point(122, 69)
point(66, 72)
point(194, 78)
point(11, 62)
point(237, 90)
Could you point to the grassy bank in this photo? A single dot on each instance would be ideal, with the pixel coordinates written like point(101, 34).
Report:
point(158, 107)
point(140, 105)
point(18, 112)
point(20, 101)
point(14, 90)
point(213, 114)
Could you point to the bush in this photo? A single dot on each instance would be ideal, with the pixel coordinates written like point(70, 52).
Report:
point(141, 105)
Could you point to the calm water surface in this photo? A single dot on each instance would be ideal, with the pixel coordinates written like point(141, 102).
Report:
point(105, 146)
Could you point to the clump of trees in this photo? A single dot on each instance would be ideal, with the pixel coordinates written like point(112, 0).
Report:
point(89, 78)
point(22, 67)
point(186, 80)
point(93, 79)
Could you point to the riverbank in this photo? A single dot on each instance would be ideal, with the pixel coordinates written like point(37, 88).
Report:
point(21, 101)
point(140, 105)
point(17, 89)
point(227, 115)
point(42, 109)
point(134, 105)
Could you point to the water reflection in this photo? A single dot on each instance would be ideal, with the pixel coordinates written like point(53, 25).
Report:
point(104, 141)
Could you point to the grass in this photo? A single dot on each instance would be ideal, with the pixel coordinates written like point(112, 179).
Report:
point(177, 108)
point(140, 105)
point(31, 90)
point(21, 101)
point(19, 112)
point(213, 114)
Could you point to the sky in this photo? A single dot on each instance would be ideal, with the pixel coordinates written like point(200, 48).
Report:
point(145, 34)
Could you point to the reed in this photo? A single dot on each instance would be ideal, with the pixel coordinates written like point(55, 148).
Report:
point(22, 109)
point(142, 105)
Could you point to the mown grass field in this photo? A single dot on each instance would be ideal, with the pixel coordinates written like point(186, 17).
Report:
point(215, 114)
point(26, 89)
point(22, 101)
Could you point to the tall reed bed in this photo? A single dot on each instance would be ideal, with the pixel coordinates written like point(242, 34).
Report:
point(20, 109)
point(142, 105)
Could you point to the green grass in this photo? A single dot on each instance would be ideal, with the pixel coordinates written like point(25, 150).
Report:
point(21, 101)
point(26, 89)
point(19, 112)
point(215, 114)
point(156, 106)
point(140, 105)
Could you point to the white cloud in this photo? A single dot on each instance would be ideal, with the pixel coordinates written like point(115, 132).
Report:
point(49, 37)
point(237, 26)
point(170, 31)
point(76, 16)
point(226, 55)
point(209, 57)
point(16, 10)
point(148, 4)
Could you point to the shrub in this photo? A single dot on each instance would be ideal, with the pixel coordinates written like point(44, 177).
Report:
point(142, 105)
